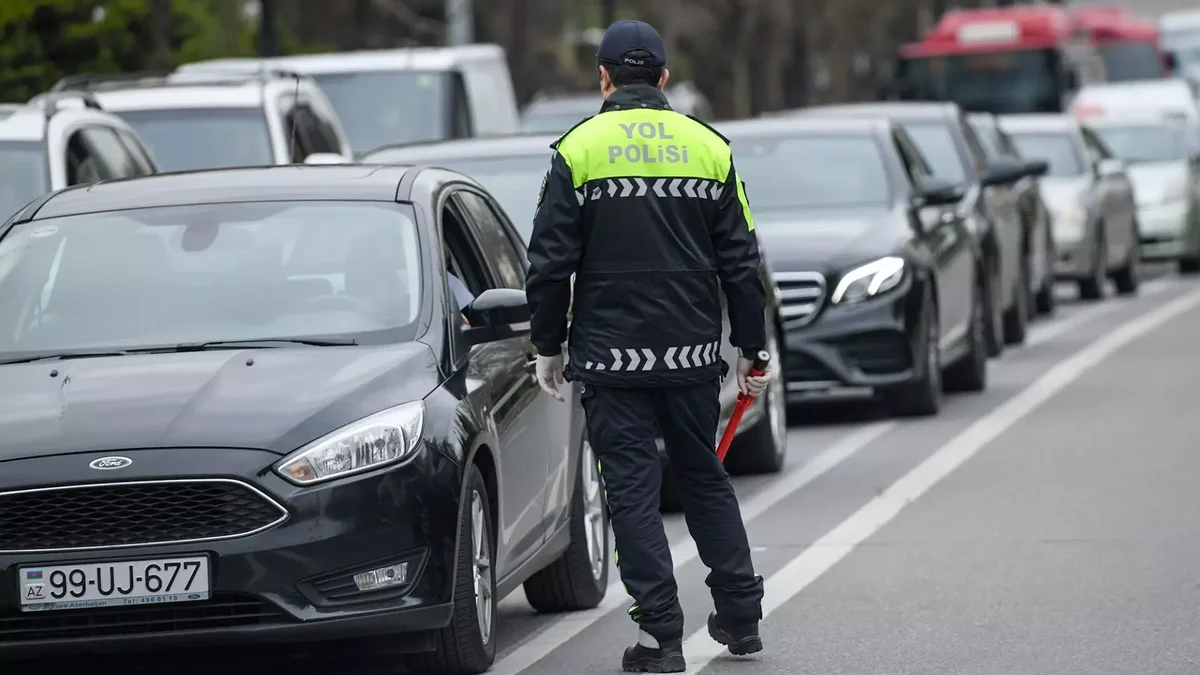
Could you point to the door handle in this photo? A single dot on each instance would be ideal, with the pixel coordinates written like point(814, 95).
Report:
point(531, 365)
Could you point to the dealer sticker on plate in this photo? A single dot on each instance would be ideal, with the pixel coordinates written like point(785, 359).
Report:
point(113, 584)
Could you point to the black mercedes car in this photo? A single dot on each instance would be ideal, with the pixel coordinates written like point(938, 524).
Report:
point(883, 287)
point(512, 168)
point(941, 132)
point(243, 406)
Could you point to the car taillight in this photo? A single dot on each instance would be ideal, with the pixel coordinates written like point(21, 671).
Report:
point(1082, 110)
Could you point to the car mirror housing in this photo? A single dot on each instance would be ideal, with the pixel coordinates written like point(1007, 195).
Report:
point(325, 158)
point(938, 192)
point(1037, 168)
point(1004, 173)
point(497, 314)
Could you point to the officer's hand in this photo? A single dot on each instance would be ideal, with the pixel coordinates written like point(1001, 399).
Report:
point(550, 375)
point(754, 386)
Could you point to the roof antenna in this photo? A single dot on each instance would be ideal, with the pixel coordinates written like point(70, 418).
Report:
point(295, 117)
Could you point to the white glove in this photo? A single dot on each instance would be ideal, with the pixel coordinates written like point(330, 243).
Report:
point(754, 386)
point(550, 375)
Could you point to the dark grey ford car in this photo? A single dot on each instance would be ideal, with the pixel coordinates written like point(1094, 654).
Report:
point(244, 406)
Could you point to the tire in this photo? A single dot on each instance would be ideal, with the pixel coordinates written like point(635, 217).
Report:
point(923, 397)
point(1189, 266)
point(1016, 319)
point(993, 312)
point(1092, 289)
point(579, 578)
point(969, 374)
point(763, 448)
point(467, 645)
point(1127, 279)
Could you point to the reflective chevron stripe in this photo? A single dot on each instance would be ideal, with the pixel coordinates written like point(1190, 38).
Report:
point(673, 358)
point(619, 188)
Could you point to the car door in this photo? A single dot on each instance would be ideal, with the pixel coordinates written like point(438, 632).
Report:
point(516, 401)
point(550, 425)
point(1117, 200)
point(1001, 203)
point(947, 238)
point(1034, 215)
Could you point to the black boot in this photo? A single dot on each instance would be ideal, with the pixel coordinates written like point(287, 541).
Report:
point(741, 640)
point(654, 656)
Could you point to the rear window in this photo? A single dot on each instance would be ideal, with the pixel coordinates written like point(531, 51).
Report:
point(189, 139)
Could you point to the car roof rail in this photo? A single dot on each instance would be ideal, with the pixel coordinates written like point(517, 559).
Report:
point(89, 81)
point(51, 102)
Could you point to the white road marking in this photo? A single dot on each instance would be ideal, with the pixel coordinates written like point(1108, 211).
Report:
point(1042, 333)
point(563, 628)
point(804, 569)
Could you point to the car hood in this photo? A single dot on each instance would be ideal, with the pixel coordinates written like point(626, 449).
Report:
point(1064, 193)
point(270, 399)
point(1153, 181)
point(828, 240)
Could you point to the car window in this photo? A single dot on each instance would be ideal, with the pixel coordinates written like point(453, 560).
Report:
point(1143, 143)
point(975, 149)
point(460, 108)
point(316, 138)
point(988, 140)
point(1058, 149)
point(914, 164)
point(512, 181)
point(465, 255)
point(1097, 148)
point(185, 274)
point(936, 142)
point(188, 139)
point(83, 164)
point(112, 151)
point(389, 107)
point(806, 171)
point(489, 227)
point(326, 129)
point(145, 165)
point(24, 175)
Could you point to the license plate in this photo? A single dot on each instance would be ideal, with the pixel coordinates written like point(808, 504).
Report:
point(113, 584)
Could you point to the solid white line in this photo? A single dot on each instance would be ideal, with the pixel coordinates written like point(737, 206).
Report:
point(1040, 334)
point(568, 626)
point(781, 587)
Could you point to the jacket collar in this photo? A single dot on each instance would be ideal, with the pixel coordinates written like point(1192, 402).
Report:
point(636, 96)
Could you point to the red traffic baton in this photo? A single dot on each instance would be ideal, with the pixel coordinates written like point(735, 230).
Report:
point(761, 361)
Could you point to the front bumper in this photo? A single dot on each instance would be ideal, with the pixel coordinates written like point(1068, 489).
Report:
point(855, 349)
point(1163, 229)
point(1075, 258)
point(290, 582)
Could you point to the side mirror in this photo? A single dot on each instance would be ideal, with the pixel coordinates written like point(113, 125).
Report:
point(938, 192)
point(1004, 173)
point(497, 314)
point(1037, 168)
point(325, 158)
point(1107, 168)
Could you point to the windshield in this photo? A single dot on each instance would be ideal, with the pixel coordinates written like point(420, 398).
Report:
point(389, 107)
point(1058, 150)
point(812, 171)
point(1145, 143)
point(1124, 61)
point(201, 273)
point(936, 142)
point(189, 139)
point(1001, 82)
point(23, 175)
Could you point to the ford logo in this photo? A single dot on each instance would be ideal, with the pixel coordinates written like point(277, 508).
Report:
point(110, 463)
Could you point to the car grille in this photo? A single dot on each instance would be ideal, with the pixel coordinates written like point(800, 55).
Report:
point(801, 295)
point(116, 515)
point(877, 352)
point(223, 610)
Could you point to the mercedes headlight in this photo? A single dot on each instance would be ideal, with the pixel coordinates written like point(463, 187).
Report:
point(381, 439)
point(869, 280)
point(1176, 192)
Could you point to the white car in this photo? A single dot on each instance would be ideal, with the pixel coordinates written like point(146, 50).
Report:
point(1164, 184)
point(390, 96)
point(1172, 98)
point(223, 119)
point(60, 140)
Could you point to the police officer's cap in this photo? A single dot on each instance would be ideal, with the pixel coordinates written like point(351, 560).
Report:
point(632, 43)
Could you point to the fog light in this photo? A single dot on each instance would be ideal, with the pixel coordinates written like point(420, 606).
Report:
point(384, 577)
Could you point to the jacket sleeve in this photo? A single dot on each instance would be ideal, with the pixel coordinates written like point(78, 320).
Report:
point(555, 250)
point(736, 246)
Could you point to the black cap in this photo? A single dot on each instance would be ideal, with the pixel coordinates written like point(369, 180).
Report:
point(633, 43)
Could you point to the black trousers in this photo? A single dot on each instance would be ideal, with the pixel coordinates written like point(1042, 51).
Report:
point(623, 424)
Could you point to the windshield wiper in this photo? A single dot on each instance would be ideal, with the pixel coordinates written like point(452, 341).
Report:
point(271, 343)
point(63, 356)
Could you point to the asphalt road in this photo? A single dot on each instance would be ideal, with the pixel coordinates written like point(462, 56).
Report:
point(1048, 526)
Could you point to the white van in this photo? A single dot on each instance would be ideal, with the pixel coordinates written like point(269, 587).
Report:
point(390, 96)
point(1173, 98)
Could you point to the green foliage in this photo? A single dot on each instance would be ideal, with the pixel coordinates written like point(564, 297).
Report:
point(44, 40)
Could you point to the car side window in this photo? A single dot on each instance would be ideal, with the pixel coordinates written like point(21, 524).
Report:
point(1006, 145)
point(460, 108)
point(110, 151)
point(918, 166)
point(491, 229)
point(139, 153)
point(1096, 148)
point(319, 139)
point(296, 133)
point(83, 164)
point(324, 128)
point(974, 147)
point(465, 257)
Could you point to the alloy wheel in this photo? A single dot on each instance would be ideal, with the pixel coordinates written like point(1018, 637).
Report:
point(595, 522)
point(777, 400)
point(482, 567)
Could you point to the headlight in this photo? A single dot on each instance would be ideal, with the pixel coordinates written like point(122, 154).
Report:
point(869, 280)
point(1069, 223)
point(383, 438)
point(1176, 192)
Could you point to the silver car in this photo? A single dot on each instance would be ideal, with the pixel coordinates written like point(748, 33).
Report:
point(1091, 202)
point(1164, 184)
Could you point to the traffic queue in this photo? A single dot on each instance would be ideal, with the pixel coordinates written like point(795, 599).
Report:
point(307, 410)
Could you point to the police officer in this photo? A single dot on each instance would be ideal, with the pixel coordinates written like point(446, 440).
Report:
point(642, 205)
